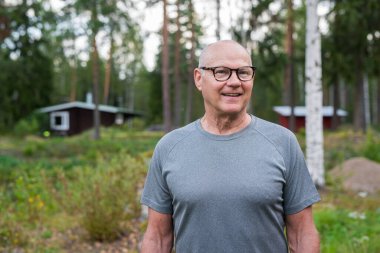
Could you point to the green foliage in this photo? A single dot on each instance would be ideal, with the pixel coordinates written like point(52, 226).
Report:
point(135, 124)
point(71, 183)
point(26, 66)
point(31, 125)
point(7, 164)
point(105, 195)
point(371, 148)
point(78, 184)
point(348, 231)
point(11, 234)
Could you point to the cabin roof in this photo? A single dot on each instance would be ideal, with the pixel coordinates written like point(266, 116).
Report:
point(300, 111)
point(88, 106)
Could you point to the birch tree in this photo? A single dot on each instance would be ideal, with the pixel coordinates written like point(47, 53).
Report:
point(314, 125)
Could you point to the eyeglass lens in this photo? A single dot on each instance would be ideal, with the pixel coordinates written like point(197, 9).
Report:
point(224, 73)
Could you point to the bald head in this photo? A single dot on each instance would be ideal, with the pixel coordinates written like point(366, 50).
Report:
point(222, 48)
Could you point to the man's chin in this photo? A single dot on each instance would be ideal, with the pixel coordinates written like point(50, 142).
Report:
point(233, 111)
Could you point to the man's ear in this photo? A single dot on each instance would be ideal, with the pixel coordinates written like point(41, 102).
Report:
point(197, 78)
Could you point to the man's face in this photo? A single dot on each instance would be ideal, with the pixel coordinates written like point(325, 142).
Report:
point(229, 97)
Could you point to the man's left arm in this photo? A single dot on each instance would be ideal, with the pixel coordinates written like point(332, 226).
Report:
point(301, 232)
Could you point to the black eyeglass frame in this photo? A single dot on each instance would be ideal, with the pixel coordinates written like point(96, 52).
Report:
point(236, 70)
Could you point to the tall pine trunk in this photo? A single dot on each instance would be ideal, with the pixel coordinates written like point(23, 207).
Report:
point(289, 87)
point(165, 72)
point(95, 73)
point(191, 66)
point(377, 103)
point(359, 120)
point(73, 82)
point(336, 102)
point(366, 101)
point(314, 124)
point(108, 71)
point(177, 77)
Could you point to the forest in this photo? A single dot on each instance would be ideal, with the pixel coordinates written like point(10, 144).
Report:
point(61, 50)
point(81, 193)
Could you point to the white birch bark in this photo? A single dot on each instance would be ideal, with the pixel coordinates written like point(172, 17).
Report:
point(314, 124)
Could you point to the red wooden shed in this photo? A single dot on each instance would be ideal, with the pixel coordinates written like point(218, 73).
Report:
point(75, 117)
point(300, 114)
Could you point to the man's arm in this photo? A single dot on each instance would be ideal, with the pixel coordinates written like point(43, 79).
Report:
point(301, 232)
point(158, 237)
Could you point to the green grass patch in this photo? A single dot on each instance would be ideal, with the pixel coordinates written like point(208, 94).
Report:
point(52, 189)
point(346, 231)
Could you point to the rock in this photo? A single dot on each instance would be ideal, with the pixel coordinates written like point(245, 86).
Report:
point(359, 175)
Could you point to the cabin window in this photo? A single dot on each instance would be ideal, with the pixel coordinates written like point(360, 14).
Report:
point(59, 121)
point(119, 119)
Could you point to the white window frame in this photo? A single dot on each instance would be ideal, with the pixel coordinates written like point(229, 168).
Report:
point(119, 119)
point(65, 121)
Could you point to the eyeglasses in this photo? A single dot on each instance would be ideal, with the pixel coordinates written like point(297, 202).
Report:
point(222, 74)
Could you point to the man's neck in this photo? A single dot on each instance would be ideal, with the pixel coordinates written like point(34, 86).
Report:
point(225, 124)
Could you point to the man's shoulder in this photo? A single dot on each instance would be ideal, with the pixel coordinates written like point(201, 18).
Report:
point(284, 140)
point(169, 140)
point(272, 130)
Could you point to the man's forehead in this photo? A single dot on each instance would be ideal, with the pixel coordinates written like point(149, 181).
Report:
point(219, 46)
point(223, 48)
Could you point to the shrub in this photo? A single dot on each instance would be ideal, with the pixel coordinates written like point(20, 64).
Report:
point(26, 197)
point(371, 148)
point(7, 164)
point(11, 234)
point(104, 196)
point(32, 124)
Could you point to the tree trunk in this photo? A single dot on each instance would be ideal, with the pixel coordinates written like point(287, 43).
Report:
point(359, 122)
point(191, 66)
point(177, 77)
point(314, 125)
point(165, 73)
point(366, 102)
point(336, 102)
point(95, 75)
point(218, 19)
point(289, 87)
point(344, 94)
point(108, 71)
point(73, 75)
point(377, 103)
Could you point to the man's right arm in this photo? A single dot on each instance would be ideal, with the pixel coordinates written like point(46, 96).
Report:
point(158, 237)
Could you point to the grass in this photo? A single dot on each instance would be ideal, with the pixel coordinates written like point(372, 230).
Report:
point(56, 193)
point(348, 222)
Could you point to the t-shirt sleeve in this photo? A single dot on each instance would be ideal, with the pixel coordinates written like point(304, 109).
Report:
point(156, 194)
point(300, 191)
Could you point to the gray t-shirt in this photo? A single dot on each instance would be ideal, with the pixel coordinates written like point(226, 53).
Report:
point(229, 193)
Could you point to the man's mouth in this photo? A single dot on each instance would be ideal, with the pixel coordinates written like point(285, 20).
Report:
point(231, 94)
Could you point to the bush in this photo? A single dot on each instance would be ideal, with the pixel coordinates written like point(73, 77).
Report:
point(7, 165)
point(371, 148)
point(26, 197)
point(11, 234)
point(30, 125)
point(104, 195)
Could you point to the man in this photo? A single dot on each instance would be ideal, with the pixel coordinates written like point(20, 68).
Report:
point(229, 182)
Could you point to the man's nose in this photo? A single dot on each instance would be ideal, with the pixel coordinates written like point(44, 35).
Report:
point(234, 80)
